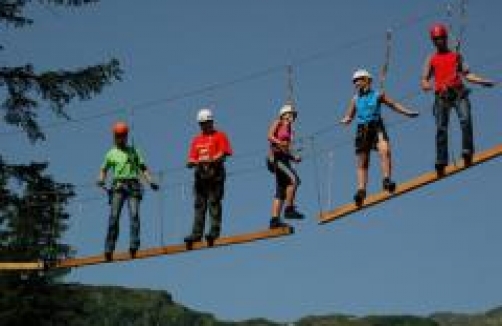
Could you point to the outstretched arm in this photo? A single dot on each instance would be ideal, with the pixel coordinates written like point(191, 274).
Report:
point(398, 107)
point(475, 79)
point(350, 113)
point(148, 177)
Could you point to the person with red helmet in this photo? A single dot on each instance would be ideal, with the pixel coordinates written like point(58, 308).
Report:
point(449, 69)
point(207, 155)
point(127, 165)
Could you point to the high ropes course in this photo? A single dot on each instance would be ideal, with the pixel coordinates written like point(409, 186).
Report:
point(283, 231)
point(410, 185)
point(324, 217)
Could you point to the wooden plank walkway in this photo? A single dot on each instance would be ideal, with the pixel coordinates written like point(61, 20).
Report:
point(176, 249)
point(420, 181)
point(152, 252)
point(13, 266)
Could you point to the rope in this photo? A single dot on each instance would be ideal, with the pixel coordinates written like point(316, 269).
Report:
point(316, 176)
point(462, 24)
point(330, 177)
point(409, 21)
point(161, 209)
point(385, 66)
point(289, 86)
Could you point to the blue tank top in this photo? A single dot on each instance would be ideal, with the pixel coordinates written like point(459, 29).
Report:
point(368, 107)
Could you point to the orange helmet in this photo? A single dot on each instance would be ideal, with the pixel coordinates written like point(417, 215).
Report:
point(120, 129)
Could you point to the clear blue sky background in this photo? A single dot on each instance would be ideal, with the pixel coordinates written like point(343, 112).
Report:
point(437, 248)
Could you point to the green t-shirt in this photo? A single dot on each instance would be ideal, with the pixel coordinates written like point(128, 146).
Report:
point(125, 163)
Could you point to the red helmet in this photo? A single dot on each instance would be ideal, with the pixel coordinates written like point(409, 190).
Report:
point(120, 129)
point(438, 30)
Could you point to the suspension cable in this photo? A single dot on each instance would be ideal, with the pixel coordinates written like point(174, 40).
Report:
point(385, 67)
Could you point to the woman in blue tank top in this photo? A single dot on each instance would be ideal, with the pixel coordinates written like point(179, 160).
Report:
point(365, 106)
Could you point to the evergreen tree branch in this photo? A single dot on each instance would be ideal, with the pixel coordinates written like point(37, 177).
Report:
point(11, 12)
point(58, 88)
point(74, 3)
point(33, 216)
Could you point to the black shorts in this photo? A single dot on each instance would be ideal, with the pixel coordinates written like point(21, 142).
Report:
point(285, 175)
point(368, 135)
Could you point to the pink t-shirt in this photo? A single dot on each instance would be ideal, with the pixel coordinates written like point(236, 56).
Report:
point(284, 132)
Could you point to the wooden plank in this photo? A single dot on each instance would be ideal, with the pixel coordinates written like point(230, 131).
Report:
point(175, 249)
point(18, 266)
point(420, 181)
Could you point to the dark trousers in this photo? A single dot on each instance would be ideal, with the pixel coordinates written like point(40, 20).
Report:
point(118, 196)
point(443, 103)
point(208, 193)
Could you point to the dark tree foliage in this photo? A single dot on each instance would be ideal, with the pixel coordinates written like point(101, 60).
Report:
point(33, 206)
point(11, 11)
point(25, 87)
point(32, 220)
point(57, 88)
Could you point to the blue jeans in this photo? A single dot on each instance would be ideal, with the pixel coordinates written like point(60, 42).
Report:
point(443, 103)
point(118, 197)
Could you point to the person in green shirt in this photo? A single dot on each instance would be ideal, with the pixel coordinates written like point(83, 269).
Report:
point(127, 166)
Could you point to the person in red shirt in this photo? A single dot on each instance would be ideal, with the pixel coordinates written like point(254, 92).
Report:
point(449, 70)
point(208, 152)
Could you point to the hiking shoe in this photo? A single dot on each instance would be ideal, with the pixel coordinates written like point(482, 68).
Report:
point(291, 213)
point(440, 169)
point(212, 235)
point(388, 185)
point(359, 197)
point(108, 255)
point(276, 223)
point(467, 157)
point(193, 238)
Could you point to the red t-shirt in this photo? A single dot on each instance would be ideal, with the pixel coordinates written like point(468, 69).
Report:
point(447, 69)
point(209, 147)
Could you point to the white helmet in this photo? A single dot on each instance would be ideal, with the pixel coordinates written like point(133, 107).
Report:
point(204, 115)
point(287, 108)
point(360, 73)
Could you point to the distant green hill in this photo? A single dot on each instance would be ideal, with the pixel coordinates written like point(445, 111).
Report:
point(84, 305)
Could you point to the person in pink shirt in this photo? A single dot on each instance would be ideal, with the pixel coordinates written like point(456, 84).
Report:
point(280, 137)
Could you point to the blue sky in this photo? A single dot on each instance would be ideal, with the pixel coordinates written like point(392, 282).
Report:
point(435, 249)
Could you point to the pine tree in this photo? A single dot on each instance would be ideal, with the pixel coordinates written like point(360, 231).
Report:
point(33, 215)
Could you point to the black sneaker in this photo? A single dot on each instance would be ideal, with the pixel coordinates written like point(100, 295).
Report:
point(292, 213)
point(276, 223)
point(108, 255)
point(193, 238)
point(467, 157)
point(212, 235)
point(440, 169)
point(359, 197)
point(388, 185)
